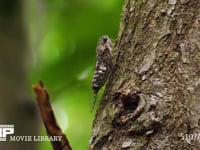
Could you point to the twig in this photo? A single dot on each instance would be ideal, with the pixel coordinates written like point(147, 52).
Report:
point(48, 117)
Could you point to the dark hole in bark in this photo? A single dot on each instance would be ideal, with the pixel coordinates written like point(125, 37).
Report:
point(131, 101)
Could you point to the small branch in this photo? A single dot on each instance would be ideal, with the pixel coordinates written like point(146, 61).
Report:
point(48, 117)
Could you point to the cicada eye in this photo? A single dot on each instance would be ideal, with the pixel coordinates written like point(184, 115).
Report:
point(105, 39)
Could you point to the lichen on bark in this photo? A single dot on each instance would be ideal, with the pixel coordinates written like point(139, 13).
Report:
point(158, 62)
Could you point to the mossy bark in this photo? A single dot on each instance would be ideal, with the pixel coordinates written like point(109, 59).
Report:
point(152, 97)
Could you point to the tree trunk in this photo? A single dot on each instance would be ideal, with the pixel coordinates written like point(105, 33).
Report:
point(152, 98)
point(15, 106)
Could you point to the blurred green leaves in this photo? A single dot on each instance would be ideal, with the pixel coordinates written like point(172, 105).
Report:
point(63, 36)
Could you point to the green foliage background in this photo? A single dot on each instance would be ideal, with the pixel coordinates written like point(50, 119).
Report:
point(63, 38)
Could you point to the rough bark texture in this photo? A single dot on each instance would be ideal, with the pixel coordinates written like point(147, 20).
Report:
point(15, 106)
point(152, 97)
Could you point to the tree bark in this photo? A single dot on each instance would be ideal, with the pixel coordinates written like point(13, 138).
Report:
point(15, 105)
point(152, 98)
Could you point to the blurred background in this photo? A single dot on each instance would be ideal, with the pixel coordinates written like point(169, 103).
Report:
point(54, 41)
